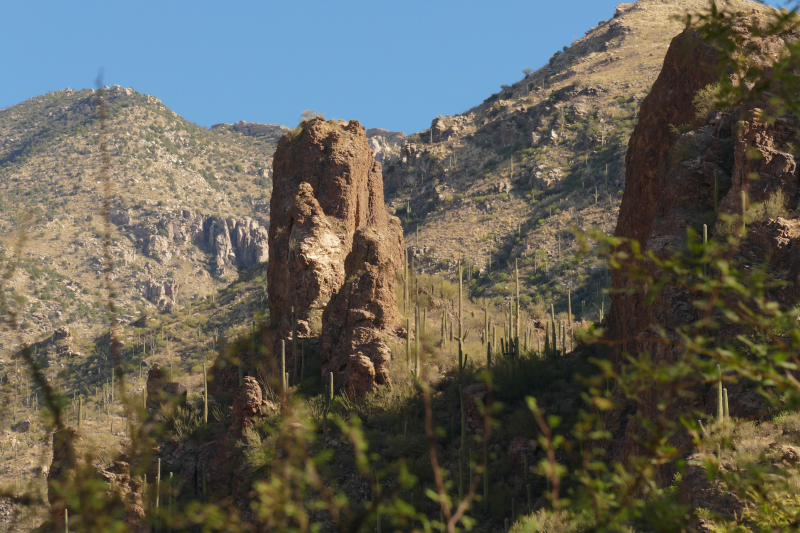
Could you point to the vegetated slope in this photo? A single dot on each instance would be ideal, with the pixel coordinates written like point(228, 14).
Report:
point(511, 177)
point(168, 177)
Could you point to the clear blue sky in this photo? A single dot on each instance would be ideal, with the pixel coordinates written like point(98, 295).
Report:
point(394, 65)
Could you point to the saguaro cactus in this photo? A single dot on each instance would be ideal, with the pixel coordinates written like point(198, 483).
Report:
point(302, 360)
point(720, 406)
point(294, 345)
point(284, 384)
point(569, 311)
point(705, 243)
point(408, 341)
point(444, 329)
point(416, 341)
point(547, 341)
point(205, 395)
point(516, 273)
point(158, 493)
point(485, 324)
point(376, 499)
point(406, 275)
point(328, 404)
point(725, 413)
point(463, 452)
point(485, 481)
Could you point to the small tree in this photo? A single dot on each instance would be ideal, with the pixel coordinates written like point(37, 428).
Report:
point(308, 114)
point(527, 71)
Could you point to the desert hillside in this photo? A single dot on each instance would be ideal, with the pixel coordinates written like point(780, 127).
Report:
point(171, 181)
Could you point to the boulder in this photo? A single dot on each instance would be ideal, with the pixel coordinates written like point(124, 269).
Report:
point(121, 218)
point(698, 491)
point(23, 426)
point(158, 247)
point(61, 333)
point(790, 454)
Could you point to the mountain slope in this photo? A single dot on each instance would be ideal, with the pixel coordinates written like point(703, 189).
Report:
point(176, 186)
point(508, 179)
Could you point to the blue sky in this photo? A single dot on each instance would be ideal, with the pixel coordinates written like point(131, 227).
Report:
point(394, 65)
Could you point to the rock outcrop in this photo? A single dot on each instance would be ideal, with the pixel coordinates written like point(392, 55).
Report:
point(670, 187)
point(328, 223)
point(268, 132)
point(364, 311)
point(231, 241)
point(235, 242)
point(385, 144)
point(162, 294)
point(246, 406)
point(446, 128)
point(161, 391)
point(128, 490)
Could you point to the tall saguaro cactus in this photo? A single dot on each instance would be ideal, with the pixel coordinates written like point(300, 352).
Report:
point(516, 273)
point(294, 345)
point(720, 406)
point(463, 452)
point(406, 281)
point(460, 317)
point(408, 341)
point(569, 313)
point(485, 324)
point(416, 341)
point(284, 385)
point(205, 395)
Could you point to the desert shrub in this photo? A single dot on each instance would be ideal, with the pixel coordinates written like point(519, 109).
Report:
point(773, 207)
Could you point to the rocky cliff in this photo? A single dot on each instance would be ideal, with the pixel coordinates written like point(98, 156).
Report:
point(385, 144)
point(327, 186)
point(364, 311)
point(670, 187)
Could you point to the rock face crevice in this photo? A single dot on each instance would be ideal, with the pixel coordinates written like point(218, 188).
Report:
point(330, 235)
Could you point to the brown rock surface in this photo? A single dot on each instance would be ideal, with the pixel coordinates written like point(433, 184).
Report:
point(669, 188)
point(326, 186)
point(685, 72)
point(697, 491)
point(246, 406)
point(163, 295)
point(364, 312)
point(474, 398)
point(161, 391)
point(129, 491)
point(518, 449)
